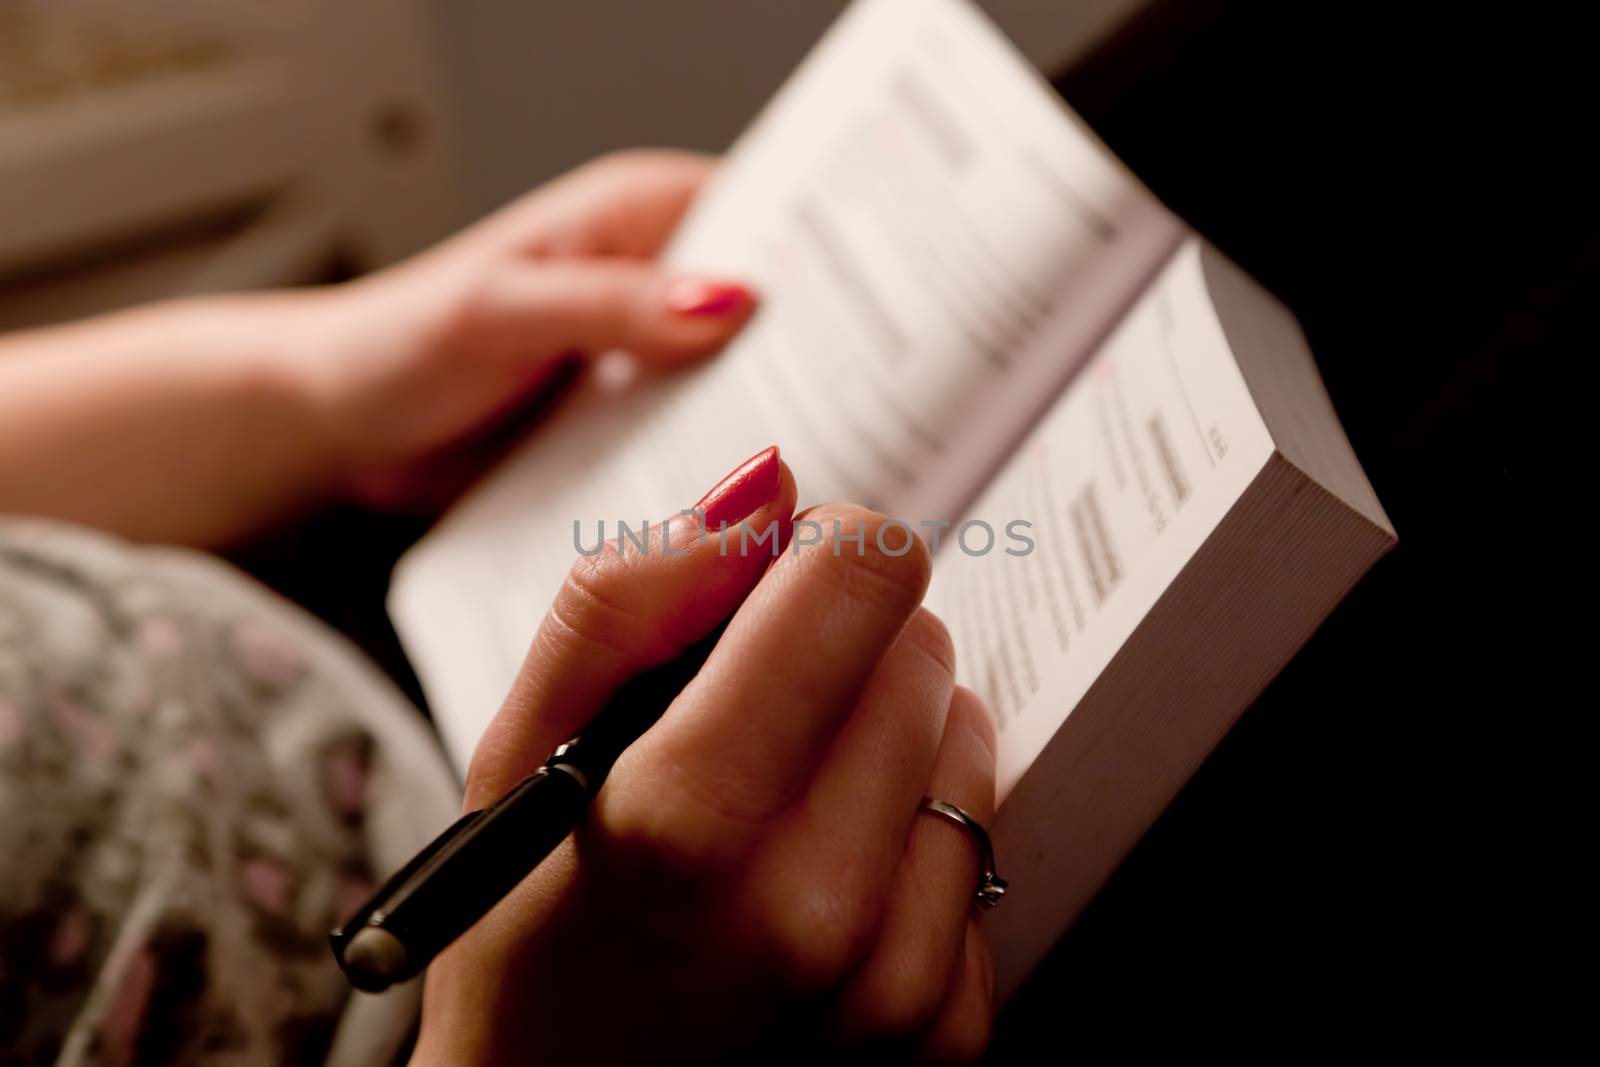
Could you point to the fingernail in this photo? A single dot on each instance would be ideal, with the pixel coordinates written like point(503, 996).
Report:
point(752, 483)
point(697, 296)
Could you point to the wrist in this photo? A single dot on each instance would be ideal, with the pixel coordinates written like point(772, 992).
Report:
point(294, 362)
point(322, 358)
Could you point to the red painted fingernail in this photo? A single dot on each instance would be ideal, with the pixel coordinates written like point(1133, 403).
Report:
point(753, 483)
point(696, 296)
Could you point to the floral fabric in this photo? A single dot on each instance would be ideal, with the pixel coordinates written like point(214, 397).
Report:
point(197, 782)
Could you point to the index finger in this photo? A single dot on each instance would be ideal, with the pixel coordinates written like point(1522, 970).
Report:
point(617, 614)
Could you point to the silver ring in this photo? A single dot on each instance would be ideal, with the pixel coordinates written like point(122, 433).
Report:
point(991, 887)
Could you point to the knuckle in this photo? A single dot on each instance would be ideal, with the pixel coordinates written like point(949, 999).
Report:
point(640, 841)
point(593, 607)
point(970, 714)
point(477, 312)
point(651, 844)
point(737, 803)
point(735, 799)
point(680, 829)
point(821, 928)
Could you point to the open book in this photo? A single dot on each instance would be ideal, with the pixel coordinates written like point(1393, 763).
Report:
point(977, 320)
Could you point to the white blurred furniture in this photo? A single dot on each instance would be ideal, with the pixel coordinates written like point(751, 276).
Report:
point(182, 146)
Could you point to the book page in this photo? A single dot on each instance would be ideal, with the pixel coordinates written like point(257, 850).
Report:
point(1119, 485)
point(937, 241)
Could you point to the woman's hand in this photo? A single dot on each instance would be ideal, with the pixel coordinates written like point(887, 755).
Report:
point(754, 871)
point(420, 362)
point(203, 421)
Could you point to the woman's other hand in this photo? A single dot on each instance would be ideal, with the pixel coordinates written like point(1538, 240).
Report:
point(755, 873)
point(205, 421)
point(414, 367)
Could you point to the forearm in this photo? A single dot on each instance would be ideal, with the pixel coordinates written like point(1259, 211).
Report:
point(194, 422)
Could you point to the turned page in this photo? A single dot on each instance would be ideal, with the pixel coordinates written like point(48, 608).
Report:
point(938, 243)
point(1120, 483)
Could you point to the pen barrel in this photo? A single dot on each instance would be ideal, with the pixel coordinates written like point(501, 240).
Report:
point(453, 883)
point(482, 864)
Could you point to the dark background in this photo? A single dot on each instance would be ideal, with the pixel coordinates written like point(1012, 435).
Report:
point(1369, 862)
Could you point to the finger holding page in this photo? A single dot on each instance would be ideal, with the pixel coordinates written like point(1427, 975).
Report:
point(527, 311)
point(623, 611)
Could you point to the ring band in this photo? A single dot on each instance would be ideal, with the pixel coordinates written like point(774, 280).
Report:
point(991, 887)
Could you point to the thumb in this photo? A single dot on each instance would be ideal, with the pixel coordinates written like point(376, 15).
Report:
point(597, 305)
point(625, 610)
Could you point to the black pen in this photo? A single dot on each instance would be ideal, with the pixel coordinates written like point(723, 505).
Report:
point(465, 871)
